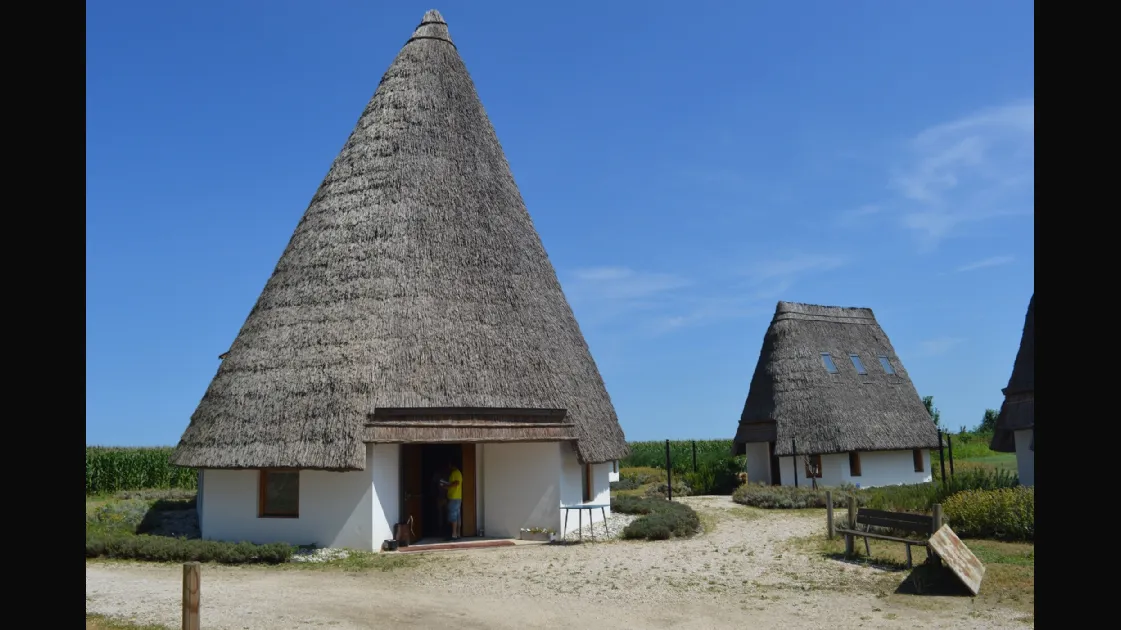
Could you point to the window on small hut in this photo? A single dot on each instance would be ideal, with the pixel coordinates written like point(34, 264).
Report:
point(279, 494)
point(813, 467)
point(586, 482)
point(886, 365)
point(917, 454)
point(854, 464)
point(857, 364)
point(828, 361)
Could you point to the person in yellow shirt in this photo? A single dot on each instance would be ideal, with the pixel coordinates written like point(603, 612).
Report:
point(454, 484)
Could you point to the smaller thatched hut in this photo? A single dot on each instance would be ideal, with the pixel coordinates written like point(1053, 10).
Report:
point(1015, 426)
point(829, 390)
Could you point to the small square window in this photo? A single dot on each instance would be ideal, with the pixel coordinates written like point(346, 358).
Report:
point(886, 365)
point(854, 464)
point(857, 364)
point(279, 494)
point(828, 361)
point(917, 455)
point(813, 467)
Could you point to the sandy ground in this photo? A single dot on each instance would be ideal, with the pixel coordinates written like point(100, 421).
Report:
point(741, 573)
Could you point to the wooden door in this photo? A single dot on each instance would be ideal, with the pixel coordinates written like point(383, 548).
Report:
point(412, 488)
point(470, 525)
point(775, 478)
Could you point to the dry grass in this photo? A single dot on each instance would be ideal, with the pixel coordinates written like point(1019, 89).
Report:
point(1009, 569)
point(101, 622)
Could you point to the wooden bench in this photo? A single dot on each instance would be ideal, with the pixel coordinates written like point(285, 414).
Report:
point(899, 521)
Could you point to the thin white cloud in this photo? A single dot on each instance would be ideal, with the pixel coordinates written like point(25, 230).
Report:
point(622, 284)
point(941, 345)
point(995, 261)
point(971, 169)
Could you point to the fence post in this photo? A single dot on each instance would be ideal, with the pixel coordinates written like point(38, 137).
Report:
point(936, 512)
point(829, 514)
point(669, 475)
point(850, 526)
point(950, 446)
point(695, 456)
point(942, 456)
point(191, 596)
point(794, 448)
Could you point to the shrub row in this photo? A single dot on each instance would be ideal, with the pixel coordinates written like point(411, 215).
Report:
point(1003, 514)
point(163, 549)
point(115, 469)
point(791, 498)
point(659, 520)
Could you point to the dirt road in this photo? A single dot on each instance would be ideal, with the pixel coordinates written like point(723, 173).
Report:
point(740, 572)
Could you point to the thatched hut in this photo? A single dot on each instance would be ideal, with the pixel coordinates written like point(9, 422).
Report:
point(1015, 426)
point(829, 390)
point(413, 319)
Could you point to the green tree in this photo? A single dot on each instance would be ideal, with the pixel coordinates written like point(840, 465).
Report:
point(988, 422)
point(928, 402)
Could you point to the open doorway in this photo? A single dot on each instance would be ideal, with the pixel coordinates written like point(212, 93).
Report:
point(422, 468)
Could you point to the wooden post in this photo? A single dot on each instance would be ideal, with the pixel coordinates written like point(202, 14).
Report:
point(191, 596)
point(669, 475)
point(829, 514)
point(851, 525)
point(936, 511)
point(942, 456)
point(950, 447)
point(794, 449)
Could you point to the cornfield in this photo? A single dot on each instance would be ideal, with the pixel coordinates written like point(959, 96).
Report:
point(653, 454)
point(112, 469)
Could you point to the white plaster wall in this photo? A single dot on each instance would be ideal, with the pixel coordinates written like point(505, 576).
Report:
point(572, 490)
point(878, 468)
point(336, 508)
point(521, 487)
point(758, 462)
point(1025, 457)
point(383, 463)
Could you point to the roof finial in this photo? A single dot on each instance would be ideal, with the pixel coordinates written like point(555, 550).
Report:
point(432, 26)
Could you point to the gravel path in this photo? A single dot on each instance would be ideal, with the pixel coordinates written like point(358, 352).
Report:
point(740, 572)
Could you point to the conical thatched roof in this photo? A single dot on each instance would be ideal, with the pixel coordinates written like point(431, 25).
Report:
point(793, 394)
point(414, 281)
point(1018, 410)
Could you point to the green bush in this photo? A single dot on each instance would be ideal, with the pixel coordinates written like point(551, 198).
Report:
point(1003, 514)
point(791, 498)
point(162, 549)
point(921, 497)
point(110, 469)
point(659, 519)
point(680, 489)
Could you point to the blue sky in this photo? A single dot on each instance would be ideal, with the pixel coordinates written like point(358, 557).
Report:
point(687, 164)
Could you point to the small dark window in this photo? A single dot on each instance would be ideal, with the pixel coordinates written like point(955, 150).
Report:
point(813, 467)
point(828, 361)
point(887, 365)
point(587, 479)
point(917, 454)
point(279, 494)
point(857, 364)
point(854, 464)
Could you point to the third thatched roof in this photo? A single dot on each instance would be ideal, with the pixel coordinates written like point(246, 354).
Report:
point(414, 280)
point(794, 396)
point(1017, 412)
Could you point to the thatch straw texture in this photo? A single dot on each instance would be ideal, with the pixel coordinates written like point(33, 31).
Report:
point(793, 395)
point(415, 279)
point(1017, 412)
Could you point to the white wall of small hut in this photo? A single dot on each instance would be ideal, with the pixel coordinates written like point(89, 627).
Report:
point(877, 468)
point(521, 487)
